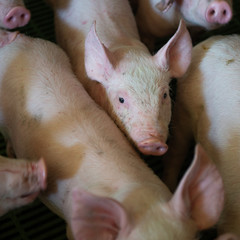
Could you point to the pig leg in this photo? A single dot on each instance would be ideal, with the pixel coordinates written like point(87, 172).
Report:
point(21, 182)
point(180, 142)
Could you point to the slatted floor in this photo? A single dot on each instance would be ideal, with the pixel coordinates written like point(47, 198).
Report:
point(35, 221)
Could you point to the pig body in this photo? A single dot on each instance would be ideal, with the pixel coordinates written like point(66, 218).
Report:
point(121, 75)
point(96, 181)
point(13, 14)
point(159, 18)
point(207, 110)
point(21, 181)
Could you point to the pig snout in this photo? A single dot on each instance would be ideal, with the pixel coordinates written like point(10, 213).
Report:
point(41, 172)
point(153, 146)
point(219, 12)
point(17, 17)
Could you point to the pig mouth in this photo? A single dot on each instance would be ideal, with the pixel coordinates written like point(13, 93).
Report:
point(30, 195)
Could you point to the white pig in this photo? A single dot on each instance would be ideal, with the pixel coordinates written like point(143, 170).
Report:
point(130, 84)
point(91, 165)
point(207, 110)
point(21, 181)
point(13, 14)
point(156, 18)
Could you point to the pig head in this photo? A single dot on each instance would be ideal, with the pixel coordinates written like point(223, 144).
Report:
point(21, 182)
point(137, 88)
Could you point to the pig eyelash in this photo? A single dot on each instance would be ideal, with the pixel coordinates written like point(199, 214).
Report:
point(121, 100)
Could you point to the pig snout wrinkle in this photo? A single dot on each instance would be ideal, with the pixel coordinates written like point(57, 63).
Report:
point(219, 12)
point(17, 17)
point(153, 146)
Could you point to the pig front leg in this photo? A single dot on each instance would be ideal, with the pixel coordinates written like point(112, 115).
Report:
point(21, 182)
point(180, 142)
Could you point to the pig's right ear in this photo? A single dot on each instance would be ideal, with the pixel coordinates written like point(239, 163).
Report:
point(7, 37)
point(96, 217)
point(99, 61)
point(200, 195)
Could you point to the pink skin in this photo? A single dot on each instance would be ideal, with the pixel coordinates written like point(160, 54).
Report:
point(22, 181)
point(209, 15)
point(17, 17)
point(218, 12)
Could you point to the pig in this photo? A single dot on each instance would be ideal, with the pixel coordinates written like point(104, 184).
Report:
point(207, 111)
point(159, 18)
point(96, 180)
point(13, 14)
point(21, 182)
point(118, 71)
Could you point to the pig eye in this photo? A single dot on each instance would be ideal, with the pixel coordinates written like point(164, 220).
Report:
point(165, 95)
point(121, 100)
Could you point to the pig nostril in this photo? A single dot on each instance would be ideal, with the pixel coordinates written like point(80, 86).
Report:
point(212, 12)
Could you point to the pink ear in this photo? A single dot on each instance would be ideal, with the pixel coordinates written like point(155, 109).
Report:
point(99, 61)
point(227, 236)
point(97, 217)
point(164, 5)
point(200, 194)
point(7, 37)
point(175, 56)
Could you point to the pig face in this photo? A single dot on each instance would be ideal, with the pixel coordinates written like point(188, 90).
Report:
point(137, 86)
point(208, 14)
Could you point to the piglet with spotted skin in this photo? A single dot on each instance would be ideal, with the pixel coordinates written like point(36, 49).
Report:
point(159, 18)
point(207, 111)
point(13, 14)
point(21, 182)
point(96, 181)
point(119, 72)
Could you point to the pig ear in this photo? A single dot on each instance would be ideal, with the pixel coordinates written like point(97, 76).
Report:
point(175, 55)
point(7, 37)
point(97, 217)
point(164, 5)
point(227, 236)
point(99, 61)
point(200, 194)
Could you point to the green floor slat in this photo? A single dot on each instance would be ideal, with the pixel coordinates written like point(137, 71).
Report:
point(36, 221)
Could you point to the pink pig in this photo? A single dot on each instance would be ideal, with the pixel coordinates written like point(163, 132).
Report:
point(96, 181)
point(160, 18)
point(123, 77)
point(21, 182)
point(13, 14)
point(207, 110)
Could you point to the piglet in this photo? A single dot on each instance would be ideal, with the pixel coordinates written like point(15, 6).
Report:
point(207, 111)
point(13, 14)
point(96, 181)
point(156, 18)
point(21, 181)
point(119, 72)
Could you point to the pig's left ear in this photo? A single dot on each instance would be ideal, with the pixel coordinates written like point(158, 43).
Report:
point(99, 61)
point(96, 217)
point(200, 195)
point(175, 56)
